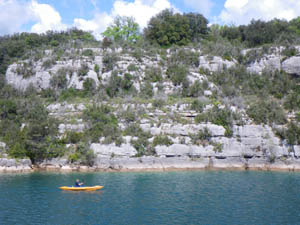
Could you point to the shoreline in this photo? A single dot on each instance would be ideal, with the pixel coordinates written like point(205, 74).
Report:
point(152, 163)
point(84, 169)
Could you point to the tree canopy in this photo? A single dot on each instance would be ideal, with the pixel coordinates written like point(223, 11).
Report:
point(168, 28)
point(123, 29)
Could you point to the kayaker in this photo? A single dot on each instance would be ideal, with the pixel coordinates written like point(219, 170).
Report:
point(78, 183)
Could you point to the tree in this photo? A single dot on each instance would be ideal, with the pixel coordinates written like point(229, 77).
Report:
point(123, 29)
point(198, 25)
point(168, 28)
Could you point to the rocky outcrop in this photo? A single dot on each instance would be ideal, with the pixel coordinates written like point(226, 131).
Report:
point(15, 165)
point(40, 77)
point(292, 65)
point(275, 60)
point(214, 63)
point(125, 150)
point(270, 62)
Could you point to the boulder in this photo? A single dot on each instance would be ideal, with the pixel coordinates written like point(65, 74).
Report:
point(292, 65)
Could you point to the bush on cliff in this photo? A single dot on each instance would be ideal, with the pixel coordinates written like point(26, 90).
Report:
point(266, 112)
point(162, 140)
point(101, 123)
point(82, 154)
point(203, 137)
point(27, 129)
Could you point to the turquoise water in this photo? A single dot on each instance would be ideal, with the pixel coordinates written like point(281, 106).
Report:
point(198, 197)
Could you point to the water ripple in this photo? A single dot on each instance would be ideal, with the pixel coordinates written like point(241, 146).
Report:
point(212, 197)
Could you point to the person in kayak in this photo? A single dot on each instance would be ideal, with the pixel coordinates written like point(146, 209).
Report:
point(78, 183)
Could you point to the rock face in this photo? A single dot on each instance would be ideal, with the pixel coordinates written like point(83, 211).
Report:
point(40, 77)
point(292, 65)
point(276, 61)
point(270, 62)
point(250, 146)
point(14, 165)
point(214, 63)
point(125, 150)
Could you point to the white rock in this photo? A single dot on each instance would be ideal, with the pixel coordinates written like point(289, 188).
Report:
point(112, 149)
point(292, 65)
point(215, 63)
point(208, 93)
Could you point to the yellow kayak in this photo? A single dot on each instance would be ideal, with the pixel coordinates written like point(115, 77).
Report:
point(91, 188)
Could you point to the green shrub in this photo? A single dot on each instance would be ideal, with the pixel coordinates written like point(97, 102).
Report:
point(138, 54)
point(119, 85)
point(153, 74)
point(202, 118)
point(146, 90)
point(195, 90)
point(48, 63)
point(142, 146)
point(221, 117)
point(158, 103)
point(83, 154)
point(39, 131)
point(202, 137)
point(89, 86)
point(8, 109)
point(266, 112)
point(289, 51)
point(72, 137)
point(114, 85)
point(25, 69)
point(132, 68)
point(59, 80)
point(162, 140)
point(291, 134)
point(88, 53)
point(97, 68)
point(70, 93)
point(126, 82)
point(101, 123)
point(185, 57)
point(198, 106)
point(218, 147)
point(177, 74)
point(55, 148)
point(17, 150)
point(292, 101)
point(109, 60)
point(129, 115)
point(228, 131)
point(83, 70)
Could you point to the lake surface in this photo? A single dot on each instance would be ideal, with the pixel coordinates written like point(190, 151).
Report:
point(198, 197)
